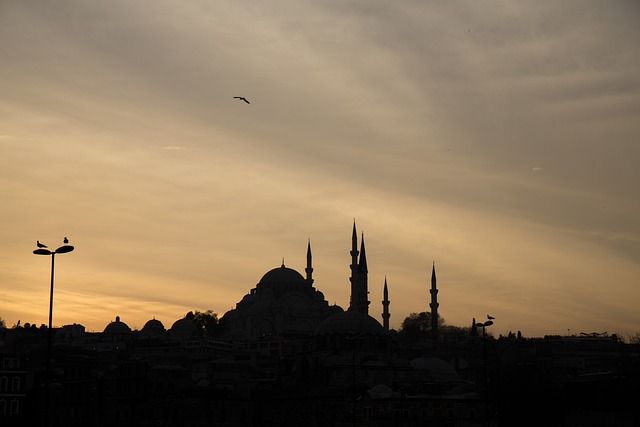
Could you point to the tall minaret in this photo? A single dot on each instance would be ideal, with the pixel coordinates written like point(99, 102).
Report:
point(385, 306)
point(434, 303)
point(309, 269)
point(359, 276)
point(354, 267)
point(363, 276)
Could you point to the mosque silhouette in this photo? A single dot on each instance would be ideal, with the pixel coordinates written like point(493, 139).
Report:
point(284, 356)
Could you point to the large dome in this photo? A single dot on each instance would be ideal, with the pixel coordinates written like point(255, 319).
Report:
point(284, 303)
point(282, 274)
point(350, 321)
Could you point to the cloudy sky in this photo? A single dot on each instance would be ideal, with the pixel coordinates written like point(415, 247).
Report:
point(498, 139)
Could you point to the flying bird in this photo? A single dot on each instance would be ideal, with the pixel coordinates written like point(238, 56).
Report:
point(66, 240)
point(242, 98)
point(40, 245)
point(490, 317)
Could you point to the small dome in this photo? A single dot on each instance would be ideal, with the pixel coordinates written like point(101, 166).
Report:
point(184, 328)
point(250, 298)
point(350, 321)
point(381, 391)
point(439, 369)
point(282, 275)
point(117, 327)
point(153, 328)
point(153, 324)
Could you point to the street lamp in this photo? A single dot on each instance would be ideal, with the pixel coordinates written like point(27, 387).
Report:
point(484, 325)
point(42, 250)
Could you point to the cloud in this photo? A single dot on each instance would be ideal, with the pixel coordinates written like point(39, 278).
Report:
point(399, 116)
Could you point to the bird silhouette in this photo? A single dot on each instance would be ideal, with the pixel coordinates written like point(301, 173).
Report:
point(66, 240)
point(40, 245)
point(490, 317)
point(242, 98)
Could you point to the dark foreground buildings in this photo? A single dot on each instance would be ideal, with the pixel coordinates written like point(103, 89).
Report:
point(286, 357)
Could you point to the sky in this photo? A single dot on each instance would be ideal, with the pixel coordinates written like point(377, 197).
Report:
point(496, 139)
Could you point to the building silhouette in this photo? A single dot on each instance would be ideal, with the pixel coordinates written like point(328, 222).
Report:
point(285, 357)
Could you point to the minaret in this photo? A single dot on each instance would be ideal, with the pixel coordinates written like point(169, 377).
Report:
point(434, 303)
point(363, 279)
point(354, 267)
point(385, 306)
point(309, 269)
point(359, 276)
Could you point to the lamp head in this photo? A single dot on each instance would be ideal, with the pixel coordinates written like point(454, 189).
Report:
point(485, 324)
point(64, 249)
point(61, 250)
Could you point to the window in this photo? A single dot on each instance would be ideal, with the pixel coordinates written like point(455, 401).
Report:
point(3, 407)
point(15, 405)
point(15, 384)
point(367, 413)
point(4, 383)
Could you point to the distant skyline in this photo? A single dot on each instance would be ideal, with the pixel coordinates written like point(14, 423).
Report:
point(498, 139)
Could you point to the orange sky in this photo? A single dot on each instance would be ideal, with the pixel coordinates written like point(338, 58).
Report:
point(498, 139)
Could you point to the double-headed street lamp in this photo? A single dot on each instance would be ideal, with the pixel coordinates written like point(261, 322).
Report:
point(42, 250)
point(484, 325)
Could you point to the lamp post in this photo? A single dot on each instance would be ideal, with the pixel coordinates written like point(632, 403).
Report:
point(484, 325)
point(42, 250)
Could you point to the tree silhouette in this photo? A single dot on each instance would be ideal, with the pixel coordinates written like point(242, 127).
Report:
point(634, 338)
point(207, 322)
point(417, 326)
point(454, 333)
